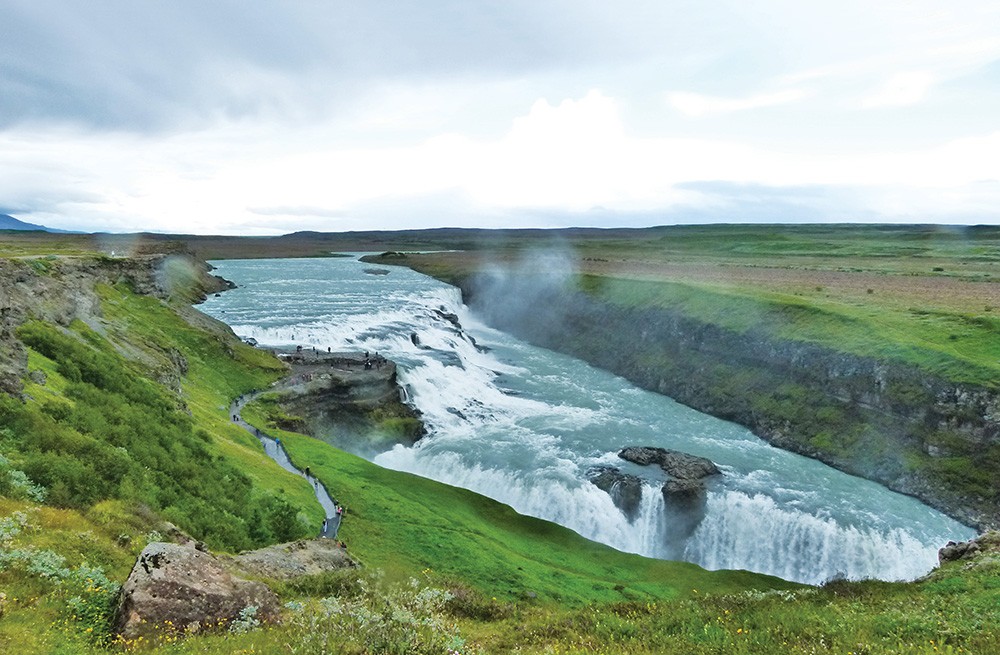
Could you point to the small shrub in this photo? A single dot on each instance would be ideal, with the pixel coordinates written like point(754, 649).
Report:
point(382, 619)
point(246, 621)
point(16, 484)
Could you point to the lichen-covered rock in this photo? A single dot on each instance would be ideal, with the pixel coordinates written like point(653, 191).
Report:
point(180, 588)
point(298, 558)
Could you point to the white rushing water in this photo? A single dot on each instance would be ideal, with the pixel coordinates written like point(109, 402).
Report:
point(524, 425)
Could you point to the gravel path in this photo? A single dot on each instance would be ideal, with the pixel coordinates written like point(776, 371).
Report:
point(274, 450)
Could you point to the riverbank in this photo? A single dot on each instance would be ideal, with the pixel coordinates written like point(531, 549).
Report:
point(272, 447)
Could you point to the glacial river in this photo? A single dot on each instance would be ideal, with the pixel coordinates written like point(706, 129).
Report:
point(525, 425)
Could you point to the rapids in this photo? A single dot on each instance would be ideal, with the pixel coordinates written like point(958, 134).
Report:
point(524, 425)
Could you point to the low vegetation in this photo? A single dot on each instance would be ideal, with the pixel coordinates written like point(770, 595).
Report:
point(96, 429)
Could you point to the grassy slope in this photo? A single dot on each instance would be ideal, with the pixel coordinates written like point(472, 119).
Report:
point(957, 610)
point(109, 533)
point(218, 371)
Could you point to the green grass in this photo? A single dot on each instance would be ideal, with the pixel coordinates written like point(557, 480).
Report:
point(956, 609)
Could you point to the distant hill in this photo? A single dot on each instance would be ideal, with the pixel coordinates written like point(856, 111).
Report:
point(11, 223)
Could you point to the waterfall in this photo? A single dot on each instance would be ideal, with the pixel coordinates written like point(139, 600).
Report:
point(525, 426)
point(764, 537)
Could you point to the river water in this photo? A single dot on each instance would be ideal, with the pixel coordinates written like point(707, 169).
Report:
point(525, 425)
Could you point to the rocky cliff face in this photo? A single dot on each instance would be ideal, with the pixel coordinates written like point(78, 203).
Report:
point(61, 290)
point(334, 398)
point(915, 433)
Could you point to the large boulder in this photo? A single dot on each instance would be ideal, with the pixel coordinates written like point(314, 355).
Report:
point(176, 587)
point(673, 462)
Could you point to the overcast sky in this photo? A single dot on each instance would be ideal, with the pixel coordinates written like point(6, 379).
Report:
point(237, 117)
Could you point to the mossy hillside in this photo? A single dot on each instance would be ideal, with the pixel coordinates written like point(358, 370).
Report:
point(219, 369)
point(101, 427)
point(405, 524)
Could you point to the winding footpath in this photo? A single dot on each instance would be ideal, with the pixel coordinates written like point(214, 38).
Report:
point(274, 450)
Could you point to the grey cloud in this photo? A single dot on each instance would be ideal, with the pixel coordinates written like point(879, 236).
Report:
point(132, 65)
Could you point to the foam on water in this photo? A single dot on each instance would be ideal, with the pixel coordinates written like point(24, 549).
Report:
point(524, 425)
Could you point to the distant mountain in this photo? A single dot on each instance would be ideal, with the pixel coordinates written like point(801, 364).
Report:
point(11, 223)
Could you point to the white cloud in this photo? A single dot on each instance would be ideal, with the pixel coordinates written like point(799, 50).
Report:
point(696, 104)
point(573, 156)
point(378, 113)
point(900, 90)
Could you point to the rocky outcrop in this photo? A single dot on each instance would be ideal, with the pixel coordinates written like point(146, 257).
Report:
point(684, 494)
point(292, 560)
point(61, 290)
point(673, 462)
point(335, 398)
point(963, 550)
point(685, 491)
point(180, 588)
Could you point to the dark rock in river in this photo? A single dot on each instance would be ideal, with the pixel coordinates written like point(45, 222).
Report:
point(684, 494)
point(448, 316)
point(625, 489)
point(674, 463)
